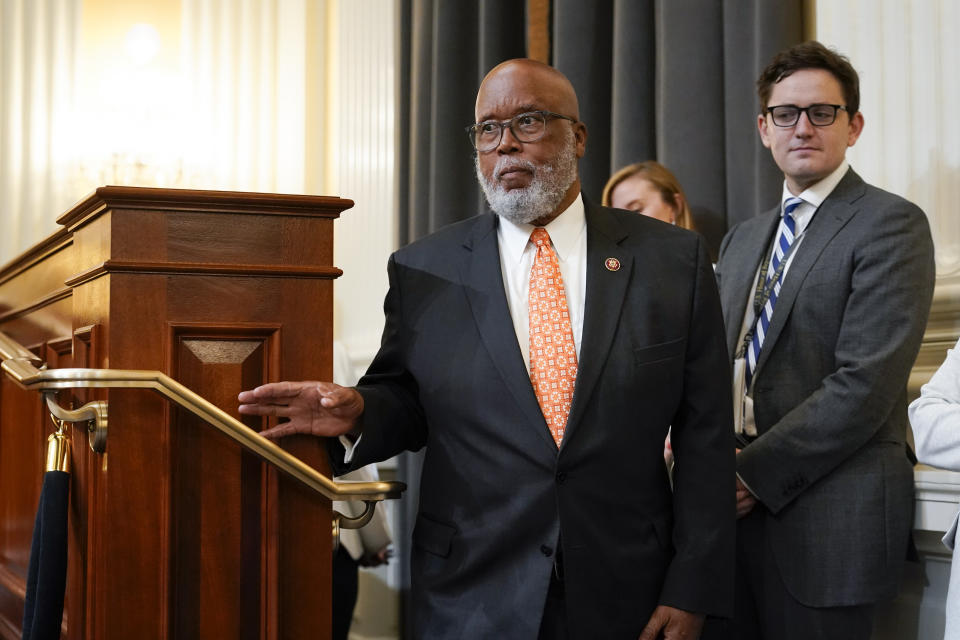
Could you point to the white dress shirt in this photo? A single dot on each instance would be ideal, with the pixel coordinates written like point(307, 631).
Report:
point(568, 234)
point(812, 199)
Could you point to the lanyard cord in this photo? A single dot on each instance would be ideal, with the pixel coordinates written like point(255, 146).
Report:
point(765, 285)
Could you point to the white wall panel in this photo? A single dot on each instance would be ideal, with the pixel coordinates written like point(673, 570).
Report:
point(38, 47)
point(244, 65)
point(908, 58)
point(360, 162)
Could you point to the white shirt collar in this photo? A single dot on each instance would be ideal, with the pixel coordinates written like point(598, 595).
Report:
point(817, 193)
point(564, 232)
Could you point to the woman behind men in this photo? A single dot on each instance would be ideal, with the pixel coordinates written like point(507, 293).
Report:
point(649, 189)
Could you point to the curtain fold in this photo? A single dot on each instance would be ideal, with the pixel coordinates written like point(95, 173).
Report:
point(673, 81)
point(244, 68)
point(583, 50)
point(38, 49)
point(753, 33)
point(690, 106)
point(633, 113)
point(452, 46)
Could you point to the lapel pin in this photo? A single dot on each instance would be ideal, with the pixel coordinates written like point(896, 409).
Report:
point(612, 264)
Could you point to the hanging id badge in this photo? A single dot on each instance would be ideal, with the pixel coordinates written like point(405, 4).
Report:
point(743, 421)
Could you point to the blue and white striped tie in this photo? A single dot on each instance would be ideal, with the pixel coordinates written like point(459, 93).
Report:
point(785, 237)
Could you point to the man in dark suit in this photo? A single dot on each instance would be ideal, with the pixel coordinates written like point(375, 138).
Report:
point(541, 514)
point(825, 299)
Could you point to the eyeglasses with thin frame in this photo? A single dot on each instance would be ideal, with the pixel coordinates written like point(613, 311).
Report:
point(526, 127)
point(819, 115)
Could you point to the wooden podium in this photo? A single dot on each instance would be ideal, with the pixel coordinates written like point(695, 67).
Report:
point(175, 531)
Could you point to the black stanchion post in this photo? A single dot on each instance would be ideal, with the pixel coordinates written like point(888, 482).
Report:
point(47, 574)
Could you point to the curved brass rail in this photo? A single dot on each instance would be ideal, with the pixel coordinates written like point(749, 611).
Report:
point(18, 364)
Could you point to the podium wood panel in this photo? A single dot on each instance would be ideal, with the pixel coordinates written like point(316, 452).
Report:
point(175, 532)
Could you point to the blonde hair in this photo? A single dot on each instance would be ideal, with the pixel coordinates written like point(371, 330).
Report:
point(662, 180)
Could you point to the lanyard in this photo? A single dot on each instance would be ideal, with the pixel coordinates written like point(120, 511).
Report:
point(765, 285)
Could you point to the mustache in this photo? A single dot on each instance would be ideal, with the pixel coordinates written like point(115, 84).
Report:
point(505, 164)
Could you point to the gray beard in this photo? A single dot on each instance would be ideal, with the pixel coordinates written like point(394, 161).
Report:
point(544, 194)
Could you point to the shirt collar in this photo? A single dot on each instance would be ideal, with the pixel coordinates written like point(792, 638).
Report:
point(817, 193)
point(564, 232)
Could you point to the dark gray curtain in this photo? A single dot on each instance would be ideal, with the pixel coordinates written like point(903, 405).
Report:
point(673, 81)
point(670, 80)
point(449, 45)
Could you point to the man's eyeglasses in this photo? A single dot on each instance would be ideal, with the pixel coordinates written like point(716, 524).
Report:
point(526, 127)
point(819, 115)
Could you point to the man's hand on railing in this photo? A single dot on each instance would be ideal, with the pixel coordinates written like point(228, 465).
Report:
point(317, 408)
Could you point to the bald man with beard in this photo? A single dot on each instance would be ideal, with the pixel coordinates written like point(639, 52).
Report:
point(534, 521)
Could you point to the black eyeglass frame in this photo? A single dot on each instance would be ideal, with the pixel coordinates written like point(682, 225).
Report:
point(801, 110)
point(543, 113)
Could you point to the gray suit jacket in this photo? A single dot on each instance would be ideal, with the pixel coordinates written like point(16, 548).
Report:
point(829, 464)
point(497, 497)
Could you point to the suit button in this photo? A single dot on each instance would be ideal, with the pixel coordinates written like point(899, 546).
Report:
point(545, 550)
point(561, 477)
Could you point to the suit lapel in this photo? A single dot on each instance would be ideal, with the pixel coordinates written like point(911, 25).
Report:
point(605, 293)
point(832, 215)
point(483, 284)
point(750, 245)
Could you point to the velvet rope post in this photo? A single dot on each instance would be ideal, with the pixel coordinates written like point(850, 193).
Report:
point(47, 575)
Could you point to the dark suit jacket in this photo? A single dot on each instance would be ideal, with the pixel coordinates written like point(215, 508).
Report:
point(497, 496)
point(830, 389)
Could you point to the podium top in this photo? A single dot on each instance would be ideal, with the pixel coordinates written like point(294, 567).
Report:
point(152, 198)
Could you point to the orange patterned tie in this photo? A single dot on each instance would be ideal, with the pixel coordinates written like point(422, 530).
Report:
point(553, 356)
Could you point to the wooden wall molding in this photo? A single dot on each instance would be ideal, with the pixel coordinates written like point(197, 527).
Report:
point(204, 269)
point(37, 305)
point(35, 255)
point(152, 199)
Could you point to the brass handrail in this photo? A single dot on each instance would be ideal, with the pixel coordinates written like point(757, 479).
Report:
point(18, 365)
point(10, 348)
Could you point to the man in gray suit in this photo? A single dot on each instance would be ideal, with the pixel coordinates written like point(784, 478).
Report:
point(537, 521)
point(825, 299)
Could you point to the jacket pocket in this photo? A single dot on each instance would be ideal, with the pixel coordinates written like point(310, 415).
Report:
point(661, 351)
point(432, 536)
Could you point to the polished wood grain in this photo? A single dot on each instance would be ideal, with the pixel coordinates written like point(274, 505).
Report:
point(174, 532)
